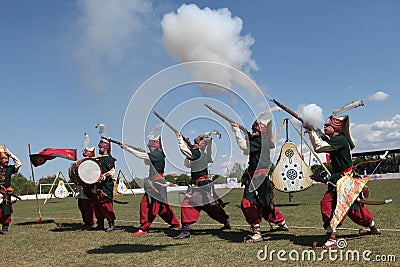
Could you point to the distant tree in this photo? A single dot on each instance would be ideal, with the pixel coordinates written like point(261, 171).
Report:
point(318, 168)
point(218, 179)
point(133, 184)
point(236, 170)
point(46, 180)
point(21, 185)
point(171, 178)
point(183, 179)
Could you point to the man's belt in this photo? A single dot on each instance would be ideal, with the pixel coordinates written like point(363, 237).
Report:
point(347, 171)
point(201, 179)
point(258, 172)
point(158, 176)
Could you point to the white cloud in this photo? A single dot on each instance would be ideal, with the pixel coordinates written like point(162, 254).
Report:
point(378, 96)
point(192, 132)
point(377, 135)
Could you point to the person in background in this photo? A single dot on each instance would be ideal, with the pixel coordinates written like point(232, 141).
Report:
point(338, 144)
point(202, 195)
point(6, 171)
point(103, 202)
point(154, 201)
point(85, 196)
point(257, 201)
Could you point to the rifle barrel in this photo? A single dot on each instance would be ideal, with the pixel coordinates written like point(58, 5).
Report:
point(120, 143)
point(294, 114)
point(225, 117)
point(187, 140)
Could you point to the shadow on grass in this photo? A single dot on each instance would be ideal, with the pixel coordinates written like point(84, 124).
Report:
point(237, 236)
point(234, 236)
point(303, 240)
point(35, 222)
point(65, 227)
point(129, 248)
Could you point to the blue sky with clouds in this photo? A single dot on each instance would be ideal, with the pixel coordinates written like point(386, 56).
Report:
point(68, 65)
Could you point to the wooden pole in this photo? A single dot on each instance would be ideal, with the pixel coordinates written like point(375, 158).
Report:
point(35, 188)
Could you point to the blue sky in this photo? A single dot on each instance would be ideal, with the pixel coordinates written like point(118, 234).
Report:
point(68, 65)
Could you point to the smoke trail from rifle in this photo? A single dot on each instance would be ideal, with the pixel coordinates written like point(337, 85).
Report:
point(311, 114)
point(194, 34)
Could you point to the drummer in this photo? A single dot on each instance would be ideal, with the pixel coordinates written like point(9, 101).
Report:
point(103, 202)
point(85, 195)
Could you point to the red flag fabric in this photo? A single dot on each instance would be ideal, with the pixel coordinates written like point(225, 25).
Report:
point(328, 158)
point(51, 153)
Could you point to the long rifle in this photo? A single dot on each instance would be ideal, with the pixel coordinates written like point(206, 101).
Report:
point(120, 143)
point(187, 140)
point(294, 114)
point(241, 127)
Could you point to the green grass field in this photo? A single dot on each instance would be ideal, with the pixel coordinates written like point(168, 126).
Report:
point(59, 241)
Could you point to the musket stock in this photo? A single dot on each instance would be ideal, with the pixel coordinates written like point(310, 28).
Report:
point(241, 127)
point(120, 143)
point(187, 140)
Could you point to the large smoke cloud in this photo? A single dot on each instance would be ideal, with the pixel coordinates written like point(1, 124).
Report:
point(194, 34)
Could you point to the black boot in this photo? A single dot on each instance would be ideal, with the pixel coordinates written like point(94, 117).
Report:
point(227, 225)
point(100, 224)
point(111, 227)
point(185, 232)
point(4, 230)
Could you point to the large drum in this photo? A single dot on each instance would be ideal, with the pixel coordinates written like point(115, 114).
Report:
point(85, 171)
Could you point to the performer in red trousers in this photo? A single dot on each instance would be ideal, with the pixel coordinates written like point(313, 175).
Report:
point(338, 146)
point(6, 171)
point(103, 202)
point(85, 196)
point(257, 201)
point(202, 195)
point(154, 202)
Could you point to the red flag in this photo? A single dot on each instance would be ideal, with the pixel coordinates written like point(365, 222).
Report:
point(328, 158)
point(51, 153)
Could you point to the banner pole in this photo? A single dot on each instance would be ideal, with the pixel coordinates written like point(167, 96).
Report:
point(35, 188)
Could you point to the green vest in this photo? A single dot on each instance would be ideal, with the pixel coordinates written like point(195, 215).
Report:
point(157, 166)
point(259, 158)
point(340, 158)
point(5, 180)
point(199, 164)
point(107, 186)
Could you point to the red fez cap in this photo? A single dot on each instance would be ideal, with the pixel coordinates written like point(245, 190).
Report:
point(335, 123)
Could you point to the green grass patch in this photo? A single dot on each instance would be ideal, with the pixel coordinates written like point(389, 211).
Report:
point(59, 241)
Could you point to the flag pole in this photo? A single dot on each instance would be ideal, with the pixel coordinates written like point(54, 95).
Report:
point(35, 188)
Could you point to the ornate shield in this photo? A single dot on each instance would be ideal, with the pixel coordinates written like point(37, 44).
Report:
point(291, 173)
